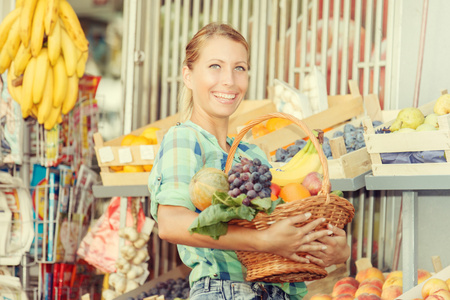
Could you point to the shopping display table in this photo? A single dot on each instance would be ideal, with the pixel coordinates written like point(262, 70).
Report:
point(409, 186)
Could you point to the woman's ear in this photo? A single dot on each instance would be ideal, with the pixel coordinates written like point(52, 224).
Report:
point(187, 77)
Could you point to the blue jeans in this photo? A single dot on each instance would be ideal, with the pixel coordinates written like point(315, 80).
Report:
point(211, 289)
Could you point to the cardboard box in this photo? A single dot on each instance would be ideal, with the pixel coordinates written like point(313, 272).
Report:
point(416, 292)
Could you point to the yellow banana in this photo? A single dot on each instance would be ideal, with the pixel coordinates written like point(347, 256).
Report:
point(45, 107)
point(72, 25)
point(59, 82)
point(81, 64)
point(296, 158)
point(5, 60)
point(51, 16)
point(27, 87)
point(50, 122)
point(13, 41)
point(42, 66)
point(37, 30)
point(26, 20)
point(69, 52)
point(5, 25)
point(21, 60)
point(19, 3)
point(311, 164)
point(72, 95)
point(54, 44)
point(14, 91)
point(34, 111)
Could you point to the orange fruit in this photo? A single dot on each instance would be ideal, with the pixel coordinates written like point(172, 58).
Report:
point(273, 197)
point(259, 130)
point(116, 168)
point(147, 168)
point(294, 191)
point(127, 140)
point(140, 140)
point(150, 134)
point(133, 169)
point(277, 123)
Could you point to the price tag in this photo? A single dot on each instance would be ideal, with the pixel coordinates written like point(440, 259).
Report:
point(147, 152)
point(106, 154)
point(125, 155)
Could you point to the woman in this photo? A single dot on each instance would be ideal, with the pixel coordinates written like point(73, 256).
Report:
point(215, 75)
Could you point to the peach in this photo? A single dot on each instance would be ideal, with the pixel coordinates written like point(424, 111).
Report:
point(398, 273)
point(368, 289)
point(366, 296)
point(433, 285)
point(371, 272)
point(448, 283)
point(347, 280)
point(443, 293)
point(391, 292)
point(434, 297)
point(344, 297)
point(422, 275)
point(344, 289)
point(372, 281)
point(393, 281)
point(321, 297)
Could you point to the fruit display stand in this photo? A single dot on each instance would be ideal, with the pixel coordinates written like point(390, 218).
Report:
point(416, 292)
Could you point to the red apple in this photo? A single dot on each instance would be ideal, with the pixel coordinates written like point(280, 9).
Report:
point(275, 188)
point(313, 182)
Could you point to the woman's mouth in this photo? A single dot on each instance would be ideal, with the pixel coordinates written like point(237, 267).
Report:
point(225, 97)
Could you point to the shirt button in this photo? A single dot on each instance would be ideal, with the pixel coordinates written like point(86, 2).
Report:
point(159, 178)
point(215, 275)
point(178, 124)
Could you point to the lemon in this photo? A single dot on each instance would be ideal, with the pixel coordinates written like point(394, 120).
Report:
point(133, 169)
point(127, 140)
point(150, 134)
point(148, 168)
point(140, 140)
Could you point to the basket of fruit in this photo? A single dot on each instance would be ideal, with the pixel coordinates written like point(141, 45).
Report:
point(336, 210)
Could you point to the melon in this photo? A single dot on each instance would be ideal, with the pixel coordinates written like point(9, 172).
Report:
point(204, 184)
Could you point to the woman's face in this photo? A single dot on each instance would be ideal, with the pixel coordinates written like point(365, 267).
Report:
point(219, 78)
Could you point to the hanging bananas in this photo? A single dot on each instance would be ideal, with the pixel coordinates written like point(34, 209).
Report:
point(44, 49)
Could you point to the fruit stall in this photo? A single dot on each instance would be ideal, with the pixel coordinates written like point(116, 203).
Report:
point(346, 101)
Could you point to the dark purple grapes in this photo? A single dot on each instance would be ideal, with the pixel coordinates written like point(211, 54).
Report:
point(257, 187)
point(246, 202)
point(252, 194)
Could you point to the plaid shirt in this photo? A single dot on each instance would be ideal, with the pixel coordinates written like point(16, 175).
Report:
point(185, 149)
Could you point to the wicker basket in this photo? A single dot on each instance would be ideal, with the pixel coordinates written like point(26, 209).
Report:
point(336, 210)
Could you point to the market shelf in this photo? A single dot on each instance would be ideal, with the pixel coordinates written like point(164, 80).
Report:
point(102, 191)
point(349, 184)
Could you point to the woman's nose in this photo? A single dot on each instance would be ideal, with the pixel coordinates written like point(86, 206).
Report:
point(227, 77)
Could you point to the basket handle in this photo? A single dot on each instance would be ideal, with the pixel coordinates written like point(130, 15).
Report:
point(326, 185)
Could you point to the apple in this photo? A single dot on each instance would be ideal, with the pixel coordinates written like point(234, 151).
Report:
point(372, 281)
point(393, 280)
point(443, 293)
point(371, 272)
point(433, 285)
point(313, 182)
point(391, 292)
point(347, 280)
point(321, 297)
point(275, 188)
point(368, 289)
point(344, 289)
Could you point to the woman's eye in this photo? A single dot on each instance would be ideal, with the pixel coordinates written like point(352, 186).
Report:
point(240, 68)
point(214, 66)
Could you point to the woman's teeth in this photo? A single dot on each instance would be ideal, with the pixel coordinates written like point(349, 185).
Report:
point(225, 96)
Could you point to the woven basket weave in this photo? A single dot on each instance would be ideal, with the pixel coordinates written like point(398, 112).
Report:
point(337, 211)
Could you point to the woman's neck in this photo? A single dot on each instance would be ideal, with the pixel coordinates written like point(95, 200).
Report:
point(217, 127)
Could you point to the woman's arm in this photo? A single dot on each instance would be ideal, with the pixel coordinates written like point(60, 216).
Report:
point(282, 238)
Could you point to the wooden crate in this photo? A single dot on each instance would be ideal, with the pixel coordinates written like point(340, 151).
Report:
point(409, 142)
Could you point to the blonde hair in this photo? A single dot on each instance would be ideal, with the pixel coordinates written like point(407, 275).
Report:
point(193, 52)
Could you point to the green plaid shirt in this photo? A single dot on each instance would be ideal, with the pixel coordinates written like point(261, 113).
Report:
point(185, 149)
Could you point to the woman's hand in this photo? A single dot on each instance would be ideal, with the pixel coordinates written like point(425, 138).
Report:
point(284, 239)
point(337, 249)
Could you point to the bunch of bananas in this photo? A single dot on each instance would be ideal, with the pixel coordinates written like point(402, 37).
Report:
point(45, 49)
point(301, 164)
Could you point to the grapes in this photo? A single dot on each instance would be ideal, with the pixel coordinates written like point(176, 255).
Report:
point(337, 134)
point(302, 143)
point(251, 178)
point(170, 289)
point(292, 150)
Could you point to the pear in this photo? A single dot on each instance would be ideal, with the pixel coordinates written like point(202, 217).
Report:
point(409, 117)
point(432, 119)
point(426, 127)
point(442, 105)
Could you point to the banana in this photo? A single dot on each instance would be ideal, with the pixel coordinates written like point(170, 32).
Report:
point(42, 66)
point(297, 157)
point(19, 3)
point(5, 60)
point(27, 88)
point(51, 16)
point(6, 24)
point(34, 111)
point(21, 60)
point(37, 30)
point(45, 107)
point(311, 164)
point(59, 82)
point(54, 44)
point(26, 20)
point(81, 64)
point(72, 24)
point(14, 91)
point(69, 52)
point(51, 120)
point(72, 95)
point(13, 41)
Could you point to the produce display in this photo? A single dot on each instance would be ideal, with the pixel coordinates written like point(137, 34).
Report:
point(171, 289)
point(44, 49)
point(372, 284)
